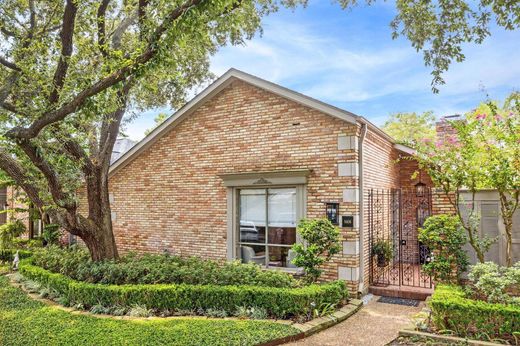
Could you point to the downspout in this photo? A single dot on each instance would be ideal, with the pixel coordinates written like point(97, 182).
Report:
point(362, 289)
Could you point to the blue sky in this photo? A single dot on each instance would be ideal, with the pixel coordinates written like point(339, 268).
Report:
point(348, 59)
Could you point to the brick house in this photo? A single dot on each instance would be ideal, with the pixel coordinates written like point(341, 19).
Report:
point(229, 175)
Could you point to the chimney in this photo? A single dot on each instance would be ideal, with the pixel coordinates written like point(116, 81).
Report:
point(444, 129)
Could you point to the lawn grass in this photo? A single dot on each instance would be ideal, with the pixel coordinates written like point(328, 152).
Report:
point(24, 321)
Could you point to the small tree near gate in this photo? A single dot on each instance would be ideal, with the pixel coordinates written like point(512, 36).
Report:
point(321, 241)
point(444, 236)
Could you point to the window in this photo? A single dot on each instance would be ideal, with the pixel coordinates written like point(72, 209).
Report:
point(267, 226)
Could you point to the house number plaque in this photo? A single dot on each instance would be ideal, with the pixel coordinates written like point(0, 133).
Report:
point(347, 221)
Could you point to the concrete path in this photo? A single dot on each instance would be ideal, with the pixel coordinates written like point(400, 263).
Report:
point(376, 324)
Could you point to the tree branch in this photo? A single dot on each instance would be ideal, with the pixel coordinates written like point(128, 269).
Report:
point(18, 174)
point(103, 84)
point(101, 27)
point(50, 174)
point(8, 64)
point(66, 35)
point(110, 126)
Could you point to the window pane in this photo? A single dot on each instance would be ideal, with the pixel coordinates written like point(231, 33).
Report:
point(252, 254)
point(282, 216)
point(281, 257)
point(282, 207)
point(282, 235)
point(252, 215)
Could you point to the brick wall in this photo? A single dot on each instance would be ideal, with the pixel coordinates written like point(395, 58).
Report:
point(380, 172)
point(171, 198)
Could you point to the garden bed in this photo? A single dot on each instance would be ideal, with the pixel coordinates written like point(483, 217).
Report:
point(452, 310)
point(24, 321)
point(450, 316)
point(267, 294)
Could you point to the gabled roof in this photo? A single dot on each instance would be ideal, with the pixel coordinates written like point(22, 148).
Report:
point(217, 86)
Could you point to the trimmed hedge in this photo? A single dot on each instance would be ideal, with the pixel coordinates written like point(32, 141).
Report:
point(7, 255)
point(452, 310)
point(278, 302)
point(27, 322)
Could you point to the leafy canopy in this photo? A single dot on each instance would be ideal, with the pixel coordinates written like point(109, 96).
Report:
point(410, 128)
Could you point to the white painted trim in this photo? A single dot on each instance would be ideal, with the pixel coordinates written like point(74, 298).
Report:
point(214, 89)
point(405, 149)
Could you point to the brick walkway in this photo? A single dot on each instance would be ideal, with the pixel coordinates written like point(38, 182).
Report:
point(376, 324)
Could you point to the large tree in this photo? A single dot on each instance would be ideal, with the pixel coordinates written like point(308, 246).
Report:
point(410, 128)
point(70, 69)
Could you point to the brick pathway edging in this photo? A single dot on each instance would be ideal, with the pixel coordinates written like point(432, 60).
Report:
point(318, 324)
point(411, 331)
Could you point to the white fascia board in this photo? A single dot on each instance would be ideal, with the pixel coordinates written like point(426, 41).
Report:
point(405, 149)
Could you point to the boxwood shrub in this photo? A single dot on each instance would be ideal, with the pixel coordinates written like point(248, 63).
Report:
point(278, 302)
point(452, 310)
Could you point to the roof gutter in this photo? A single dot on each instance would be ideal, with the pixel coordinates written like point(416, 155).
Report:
point(361, 288)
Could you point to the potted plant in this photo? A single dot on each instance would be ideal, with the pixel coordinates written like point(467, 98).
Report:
point(383, 250)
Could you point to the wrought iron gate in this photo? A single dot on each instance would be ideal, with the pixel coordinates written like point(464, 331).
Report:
point(396, 255)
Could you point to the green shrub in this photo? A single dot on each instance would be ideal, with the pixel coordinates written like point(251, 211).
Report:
point(51, 234)
point(445, 237)
point(494, 283)
point(277, 302)
point(382, 249)
point(321, 241)
point(27, 244)
point(7, 255)
point(157, 269)
point(452, 310)
point(9, 231)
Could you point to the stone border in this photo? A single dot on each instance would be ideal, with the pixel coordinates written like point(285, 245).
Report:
point(318, 324)
point(411, 331)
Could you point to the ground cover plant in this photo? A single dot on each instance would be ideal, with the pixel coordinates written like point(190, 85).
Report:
point(24, 321)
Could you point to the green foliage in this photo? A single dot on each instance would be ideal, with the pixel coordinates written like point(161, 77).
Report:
point(9, 231)
point(278, 302)
point(51, 234)
point(254, 312)
point(154, 269)
point(495, 284)
point(410, 128)
point(159, 119)
point(444, 236)
point(7, 255)
point(50, 326)
point(27, 244)
point(321, 242)
point(452, 310)
point(484, 152)
point(383, 250)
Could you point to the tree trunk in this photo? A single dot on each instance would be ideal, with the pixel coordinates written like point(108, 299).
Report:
point(101, 244)
point(99, 237)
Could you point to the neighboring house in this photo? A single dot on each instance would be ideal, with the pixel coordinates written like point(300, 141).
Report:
point(121, 146)
point(231, 173)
